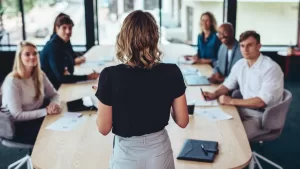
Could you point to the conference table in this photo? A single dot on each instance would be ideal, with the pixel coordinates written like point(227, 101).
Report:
point(85, 148)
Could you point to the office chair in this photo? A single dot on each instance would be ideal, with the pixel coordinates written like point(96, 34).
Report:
point(7, 125)
point(18, 164)
point(273, 120)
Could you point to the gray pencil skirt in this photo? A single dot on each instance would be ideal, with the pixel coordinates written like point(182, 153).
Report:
point(151, 151)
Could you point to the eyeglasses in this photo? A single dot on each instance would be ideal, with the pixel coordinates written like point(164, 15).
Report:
point(224, 33)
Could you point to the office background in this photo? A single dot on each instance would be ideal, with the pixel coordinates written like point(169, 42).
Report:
point(97, 22)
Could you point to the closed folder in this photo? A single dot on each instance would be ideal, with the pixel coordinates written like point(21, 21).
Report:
point(193, 151)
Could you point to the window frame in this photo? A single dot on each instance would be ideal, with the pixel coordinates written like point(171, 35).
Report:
point(92, 22)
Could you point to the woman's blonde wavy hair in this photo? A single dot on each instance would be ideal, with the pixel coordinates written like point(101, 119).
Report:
point(138, 39)
point(19, 69)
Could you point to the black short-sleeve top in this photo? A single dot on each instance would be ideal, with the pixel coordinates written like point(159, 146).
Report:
point(140, 98)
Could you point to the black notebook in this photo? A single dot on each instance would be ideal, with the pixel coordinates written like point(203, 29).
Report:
point(195, 80)
point(82, 104)
point(198, 150)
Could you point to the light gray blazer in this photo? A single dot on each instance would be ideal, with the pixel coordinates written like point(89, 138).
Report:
point(220, 65)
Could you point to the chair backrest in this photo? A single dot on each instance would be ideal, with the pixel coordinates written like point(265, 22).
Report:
point(274, 117)
point(7, 128)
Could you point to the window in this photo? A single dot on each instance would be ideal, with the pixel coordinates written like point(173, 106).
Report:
point(111, 15)
point(275, 20)
point(40, 15)
point(183, 24)
point(10, 22)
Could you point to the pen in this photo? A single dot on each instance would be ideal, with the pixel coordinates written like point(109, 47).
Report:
point(204, 150)
point(203, 94)
point(80, 116)
point(212, 151)
point(94, 71)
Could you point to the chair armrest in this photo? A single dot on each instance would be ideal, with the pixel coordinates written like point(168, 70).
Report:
point(237, 94)
point(274, 117)
point(7, 127)
point(12, 144)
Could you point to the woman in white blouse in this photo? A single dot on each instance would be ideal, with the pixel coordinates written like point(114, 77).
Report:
point(28, 94)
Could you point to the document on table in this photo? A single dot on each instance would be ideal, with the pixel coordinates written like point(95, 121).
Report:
point(207, 103)
point(187, 62)
point(213, 114)
point(189, 70)
point(89, 64)
point(107, 58)
point(67, 122)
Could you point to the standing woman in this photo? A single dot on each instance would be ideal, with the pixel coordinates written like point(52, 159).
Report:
point(208, 41)
point(26, 94)
point(58, 58)
point(135, 98)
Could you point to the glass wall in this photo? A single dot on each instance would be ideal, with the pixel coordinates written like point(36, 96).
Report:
point(10, 22)
point(179, 21)
point(111, 14)
point(40, 16)
point(185, 22)
point(276, 21)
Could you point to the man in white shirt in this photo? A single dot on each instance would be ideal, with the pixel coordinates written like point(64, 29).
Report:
point(259, 78)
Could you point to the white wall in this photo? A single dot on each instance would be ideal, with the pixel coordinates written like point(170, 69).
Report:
point(275, 22)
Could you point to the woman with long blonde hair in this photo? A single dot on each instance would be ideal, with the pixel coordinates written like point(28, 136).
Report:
point(28, 94)
point(208, 41)
point(135, 98)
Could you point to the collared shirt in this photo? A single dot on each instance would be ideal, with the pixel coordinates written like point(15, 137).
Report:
point(227, 58)
point(208, 49)
point(229, 54)
point(264, 79)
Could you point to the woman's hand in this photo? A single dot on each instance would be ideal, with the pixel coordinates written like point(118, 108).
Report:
point(93, 76)
point(53, 108)
point(66, 72)
point(80, 60)
point(95, 88)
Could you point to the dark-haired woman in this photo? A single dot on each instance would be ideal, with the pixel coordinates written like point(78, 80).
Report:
point(58, 58)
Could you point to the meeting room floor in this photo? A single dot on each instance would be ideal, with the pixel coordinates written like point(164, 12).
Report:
point(284, 151)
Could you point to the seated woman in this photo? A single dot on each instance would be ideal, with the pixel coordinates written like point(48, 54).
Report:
point(27, 92)
point(135, 98)
point(58, 58)
point(208, 41)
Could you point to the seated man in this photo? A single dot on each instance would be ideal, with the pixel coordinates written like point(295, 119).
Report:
point(260, 81)
point(229, 53)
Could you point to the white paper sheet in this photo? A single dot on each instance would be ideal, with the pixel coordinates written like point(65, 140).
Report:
point(213, 114)
point(67, 122)
point(189, 71)
point(89, 64)
point(206, 103)
point(71, 114)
